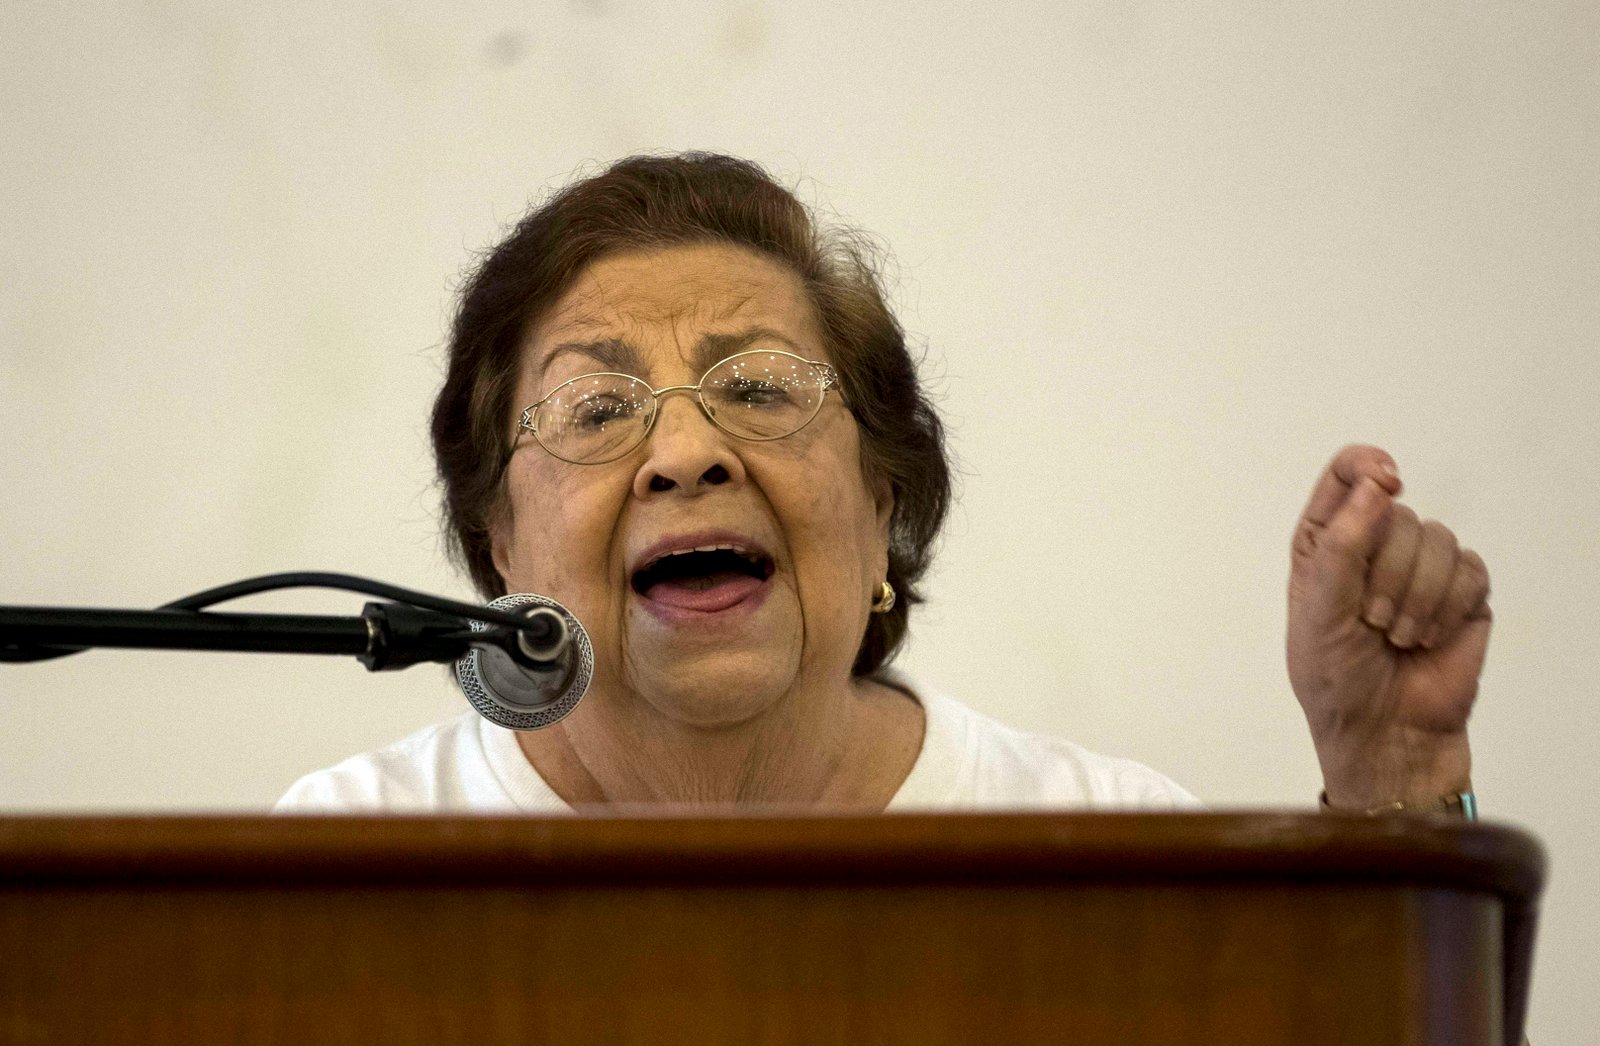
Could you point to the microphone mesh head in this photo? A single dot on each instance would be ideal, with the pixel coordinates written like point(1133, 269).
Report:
point(469, 672)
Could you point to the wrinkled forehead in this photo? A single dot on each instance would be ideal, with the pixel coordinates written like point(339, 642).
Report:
point(680, 309)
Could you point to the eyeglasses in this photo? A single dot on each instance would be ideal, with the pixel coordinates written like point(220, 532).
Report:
point(758, 395)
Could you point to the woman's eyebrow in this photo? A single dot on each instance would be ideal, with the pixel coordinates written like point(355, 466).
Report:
point(715, 347)
point(613, 354)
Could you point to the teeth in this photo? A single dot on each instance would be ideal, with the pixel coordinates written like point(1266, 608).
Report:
point(740, 549)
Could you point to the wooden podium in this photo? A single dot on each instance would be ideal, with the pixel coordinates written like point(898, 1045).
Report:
point(1151, 929)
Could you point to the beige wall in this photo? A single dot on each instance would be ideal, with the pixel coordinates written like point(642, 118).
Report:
point(1165, 256)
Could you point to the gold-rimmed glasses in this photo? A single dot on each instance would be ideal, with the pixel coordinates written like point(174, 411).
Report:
point(762, 394)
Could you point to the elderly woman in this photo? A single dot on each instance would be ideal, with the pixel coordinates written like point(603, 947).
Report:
point(681, 408)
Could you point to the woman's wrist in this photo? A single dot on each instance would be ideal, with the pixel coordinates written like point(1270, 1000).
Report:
point(1398, 764)
point(1455, 804)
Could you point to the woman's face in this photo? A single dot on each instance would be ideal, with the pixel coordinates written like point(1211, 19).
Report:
point(720, 647)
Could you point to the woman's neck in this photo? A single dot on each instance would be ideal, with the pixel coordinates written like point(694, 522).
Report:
point(846, 747)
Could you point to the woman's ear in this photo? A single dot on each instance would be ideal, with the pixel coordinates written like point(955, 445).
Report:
point(881, 490)
point(501, 528)
point(882, 500)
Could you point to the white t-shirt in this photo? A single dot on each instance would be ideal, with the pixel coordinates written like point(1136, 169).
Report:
point(968, 762)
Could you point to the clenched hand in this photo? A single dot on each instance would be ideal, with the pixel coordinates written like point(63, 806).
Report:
point(1388, 626)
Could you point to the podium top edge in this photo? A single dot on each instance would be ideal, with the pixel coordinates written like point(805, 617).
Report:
point(723, 847)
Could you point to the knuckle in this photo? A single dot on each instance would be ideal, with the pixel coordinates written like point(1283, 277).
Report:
point(1457, 601)
point(1393, 563)
point(1306, 541)
point(1480, 590)
point(1476, 573)
point(1439, 534)
point(1386, 575)
point(1336, 539)
point(1342, 541)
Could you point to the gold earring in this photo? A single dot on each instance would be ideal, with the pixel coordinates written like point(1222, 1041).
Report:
point(883, 602)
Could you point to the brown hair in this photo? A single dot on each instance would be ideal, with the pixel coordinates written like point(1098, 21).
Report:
point(659, 201)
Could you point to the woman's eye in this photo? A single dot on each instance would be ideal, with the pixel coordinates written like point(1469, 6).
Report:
point(596, 411)
point(756, 393)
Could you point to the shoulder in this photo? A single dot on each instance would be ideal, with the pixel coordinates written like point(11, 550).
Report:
point(972, 760)
point(440, 767)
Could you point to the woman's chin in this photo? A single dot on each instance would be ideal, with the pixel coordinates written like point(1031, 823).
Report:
point(715, 667)
point(715, 692)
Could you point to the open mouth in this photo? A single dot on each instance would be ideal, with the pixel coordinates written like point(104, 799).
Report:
point(707, 579)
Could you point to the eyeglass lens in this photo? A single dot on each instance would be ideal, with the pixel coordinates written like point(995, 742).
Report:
point(755, 395)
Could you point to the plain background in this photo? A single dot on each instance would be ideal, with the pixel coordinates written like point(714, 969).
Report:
point(1164, 258)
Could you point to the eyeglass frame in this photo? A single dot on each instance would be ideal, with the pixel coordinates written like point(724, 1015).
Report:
point(829, 376)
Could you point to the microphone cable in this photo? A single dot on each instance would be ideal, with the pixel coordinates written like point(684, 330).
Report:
point(300, 579)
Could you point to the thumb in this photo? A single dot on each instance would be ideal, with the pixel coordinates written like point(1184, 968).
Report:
point(1328, 575)
point(1343, 473)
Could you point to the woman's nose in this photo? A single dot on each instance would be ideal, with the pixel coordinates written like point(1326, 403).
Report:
point(685, 453)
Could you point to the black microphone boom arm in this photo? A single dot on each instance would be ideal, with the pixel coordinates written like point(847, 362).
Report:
point(386, 636)
point(523, 661)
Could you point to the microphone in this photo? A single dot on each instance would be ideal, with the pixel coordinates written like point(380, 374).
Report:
point(538, 682)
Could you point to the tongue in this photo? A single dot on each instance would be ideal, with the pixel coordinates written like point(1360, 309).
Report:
point(708, 592)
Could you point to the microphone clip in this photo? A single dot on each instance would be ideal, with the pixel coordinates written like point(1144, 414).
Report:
point(399, 636)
